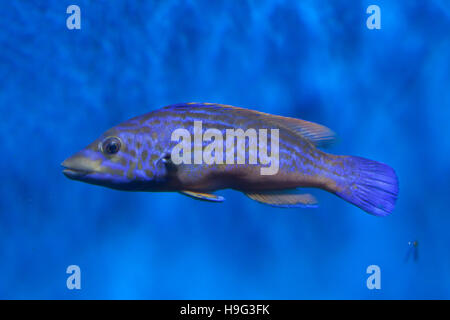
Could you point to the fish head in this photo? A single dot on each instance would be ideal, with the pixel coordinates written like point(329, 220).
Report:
point(118, 159)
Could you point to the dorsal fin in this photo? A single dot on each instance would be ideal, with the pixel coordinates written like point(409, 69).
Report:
point(317, 134)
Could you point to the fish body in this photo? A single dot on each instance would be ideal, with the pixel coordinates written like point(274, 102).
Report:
point(198, 148)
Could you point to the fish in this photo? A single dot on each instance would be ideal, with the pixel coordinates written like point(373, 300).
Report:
point(413, 251)
point(269, 158)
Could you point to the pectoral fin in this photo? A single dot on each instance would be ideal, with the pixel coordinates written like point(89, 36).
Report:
point(283, 198)
point(202, 196)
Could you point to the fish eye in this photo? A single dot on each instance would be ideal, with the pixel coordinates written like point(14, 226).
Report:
point(111, 145)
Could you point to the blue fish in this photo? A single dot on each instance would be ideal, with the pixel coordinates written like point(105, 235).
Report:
point(199, 148)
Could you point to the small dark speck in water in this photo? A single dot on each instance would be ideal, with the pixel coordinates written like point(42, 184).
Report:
point(413, 252)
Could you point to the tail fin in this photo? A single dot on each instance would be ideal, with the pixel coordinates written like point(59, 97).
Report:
point(372, 186)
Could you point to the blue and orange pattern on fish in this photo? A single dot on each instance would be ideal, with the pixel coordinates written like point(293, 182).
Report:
point(137, 155)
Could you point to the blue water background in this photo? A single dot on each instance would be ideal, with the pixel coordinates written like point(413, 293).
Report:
point(386, 93)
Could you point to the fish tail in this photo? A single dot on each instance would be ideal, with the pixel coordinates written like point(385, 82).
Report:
point(371, 186)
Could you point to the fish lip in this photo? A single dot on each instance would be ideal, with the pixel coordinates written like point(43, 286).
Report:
point(75, 173)
point(75, 168)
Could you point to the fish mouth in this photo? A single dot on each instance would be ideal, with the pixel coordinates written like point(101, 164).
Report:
point(73, 168)
point(75, 173)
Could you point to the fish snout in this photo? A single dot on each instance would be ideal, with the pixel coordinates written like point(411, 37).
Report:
point(77, 166)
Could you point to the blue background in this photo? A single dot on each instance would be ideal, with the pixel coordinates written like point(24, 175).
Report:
point(386, 93)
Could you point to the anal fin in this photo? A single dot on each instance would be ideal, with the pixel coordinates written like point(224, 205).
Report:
point(202, 196)
point(283, 198)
